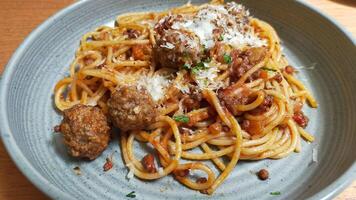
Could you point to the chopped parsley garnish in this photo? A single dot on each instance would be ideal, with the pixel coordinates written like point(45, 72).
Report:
point(221, 38)
point(195, 70)
point(227, 59)
point(198, 67)
point(275, 193)
point(268, 69)
point(131, 194)
point(181, 118)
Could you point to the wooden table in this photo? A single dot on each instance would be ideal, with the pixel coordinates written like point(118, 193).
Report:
point(18, 18)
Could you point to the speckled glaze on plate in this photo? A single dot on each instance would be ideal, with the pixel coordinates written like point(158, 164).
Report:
point(310, 39)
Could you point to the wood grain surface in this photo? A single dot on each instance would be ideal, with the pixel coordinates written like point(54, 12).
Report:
point(18, 18)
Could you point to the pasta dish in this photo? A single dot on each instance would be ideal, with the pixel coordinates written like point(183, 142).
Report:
point(196, 83)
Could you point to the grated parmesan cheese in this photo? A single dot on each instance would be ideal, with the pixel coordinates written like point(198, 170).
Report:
point(218, 17)
point(92, 102)
point(130, 174)
point(190, 131)
point(155, 85)
point(206, 78)
point(160, 171)
point(184, 88)
point(126, 79)
point(168, 45)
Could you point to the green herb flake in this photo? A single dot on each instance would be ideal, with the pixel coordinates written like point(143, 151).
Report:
point(181, 118)
point(221, 38)
point(268, 69)
point(131, 194)
point(198, 67)
point(195, 70)
point(275, 193)
point(227, 59)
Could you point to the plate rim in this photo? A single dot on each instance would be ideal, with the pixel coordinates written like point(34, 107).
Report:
point(48, 188)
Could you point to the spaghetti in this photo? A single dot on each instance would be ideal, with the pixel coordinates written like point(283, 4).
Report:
point(232, 98)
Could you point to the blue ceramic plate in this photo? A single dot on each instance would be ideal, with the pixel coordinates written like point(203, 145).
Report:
point(311, 39)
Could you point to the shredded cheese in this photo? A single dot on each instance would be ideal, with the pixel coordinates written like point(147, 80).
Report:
point(156, 85)
point(206, 78)
point(130, 174)
point(184, 88)
point(92, 102)
point(168, 45)
point(126, 79)
point(214, 17)
point(160, 171)
point(190, 131)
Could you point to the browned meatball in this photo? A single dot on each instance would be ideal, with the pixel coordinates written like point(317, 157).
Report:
point(85, 130)
point(131, 108)
point(176, 47)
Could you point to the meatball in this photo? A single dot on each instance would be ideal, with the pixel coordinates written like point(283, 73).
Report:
point(131, 108)
point(85, 130)
point(176, 47)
